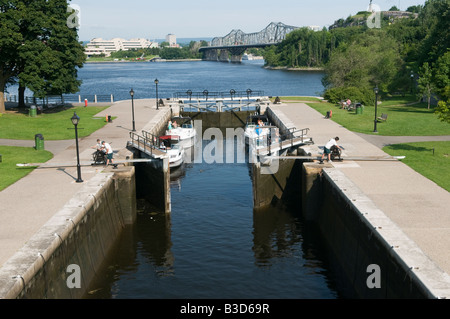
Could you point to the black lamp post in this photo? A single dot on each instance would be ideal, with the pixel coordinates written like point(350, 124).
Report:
point(157, 102)
point(248, 94)
point(132, 108)
point(376, 104)
point(75, 119)
point(412, 82)
point(232, 92)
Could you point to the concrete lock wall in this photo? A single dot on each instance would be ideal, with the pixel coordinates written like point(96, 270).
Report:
point(153, 178)
point(281, 187)
point(153, 183)
point(361, 237)
point(280, 120)
point(61, 259)
point(158, 125)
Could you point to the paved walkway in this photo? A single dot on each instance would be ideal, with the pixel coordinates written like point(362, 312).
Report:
point(30, 202)
point(419, 207)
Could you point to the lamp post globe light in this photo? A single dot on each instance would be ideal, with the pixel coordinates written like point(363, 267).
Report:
point(157, 102)
point(232, 92)
point(75, 120)
point(132, 108)
point(376, 104)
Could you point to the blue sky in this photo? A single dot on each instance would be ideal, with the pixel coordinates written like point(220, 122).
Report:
point(206, 18)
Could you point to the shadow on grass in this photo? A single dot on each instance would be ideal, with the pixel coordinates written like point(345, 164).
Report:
point(411, 109)
point(46, 110)
point(406, 147)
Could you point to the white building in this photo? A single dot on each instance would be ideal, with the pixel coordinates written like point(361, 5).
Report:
point(172, 40)
point(315, 28)
point(100, 46)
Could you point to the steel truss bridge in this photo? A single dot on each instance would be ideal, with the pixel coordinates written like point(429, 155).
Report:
point(236, 42)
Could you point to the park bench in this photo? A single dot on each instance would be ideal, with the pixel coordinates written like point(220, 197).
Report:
point(383, 117)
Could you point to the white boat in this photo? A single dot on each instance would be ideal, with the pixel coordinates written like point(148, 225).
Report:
point(247, 57)
point(255, 133)
point(171, 145)
point(184, 128)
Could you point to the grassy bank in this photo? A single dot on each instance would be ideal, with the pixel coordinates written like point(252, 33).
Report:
point(11, 155)
point(404, 118)
point(430, 159)
point(54, 125)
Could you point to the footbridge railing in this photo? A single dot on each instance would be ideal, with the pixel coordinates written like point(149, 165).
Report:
point(147, 143)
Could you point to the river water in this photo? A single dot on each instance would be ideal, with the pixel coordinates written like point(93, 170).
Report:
point(213, 244)
point(119, 78)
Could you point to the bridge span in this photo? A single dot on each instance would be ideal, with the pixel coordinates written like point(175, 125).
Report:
point(237, 42)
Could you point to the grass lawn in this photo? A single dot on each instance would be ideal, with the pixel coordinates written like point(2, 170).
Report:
point(11, 155)
point(54, 125)
point(420, 157)
point(403, 119)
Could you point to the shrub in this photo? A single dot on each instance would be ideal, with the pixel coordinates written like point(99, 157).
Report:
point(364, 96)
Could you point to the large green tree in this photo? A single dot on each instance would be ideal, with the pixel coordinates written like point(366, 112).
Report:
point(10, 40)
point(435, 21)
point(301, 48)
point(425, 82)
point(47, 54)
point(371, 59)
point(442, 76)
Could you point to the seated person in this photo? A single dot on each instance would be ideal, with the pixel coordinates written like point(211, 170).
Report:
point(99, 147)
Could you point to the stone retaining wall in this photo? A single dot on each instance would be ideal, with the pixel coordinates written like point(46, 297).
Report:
point(71, 246)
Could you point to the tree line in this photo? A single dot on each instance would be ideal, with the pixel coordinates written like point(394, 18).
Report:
point(189, 51)
point(408, 55)
point(39, 48)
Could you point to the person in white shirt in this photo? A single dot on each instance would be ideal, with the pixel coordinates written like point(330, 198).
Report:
point(327, 149)
point(98, 146)
point(109, 153)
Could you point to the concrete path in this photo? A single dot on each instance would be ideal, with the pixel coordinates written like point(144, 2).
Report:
point(419, 207)
point(30, 202)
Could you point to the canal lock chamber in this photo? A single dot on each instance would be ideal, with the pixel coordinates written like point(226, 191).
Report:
point(303, 187)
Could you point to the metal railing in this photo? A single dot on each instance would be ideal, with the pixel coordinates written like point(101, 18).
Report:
point(152, 140)
point(232, 94)
point(274, 139)
point(56, 100)
point(143, 144)
point(91, 98)
point(293, 130)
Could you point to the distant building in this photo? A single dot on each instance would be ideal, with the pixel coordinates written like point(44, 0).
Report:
point(100, 46)
point(315, 28)
point(172, 40)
